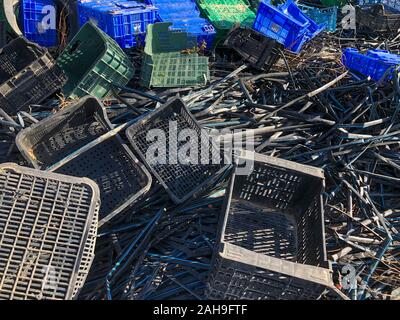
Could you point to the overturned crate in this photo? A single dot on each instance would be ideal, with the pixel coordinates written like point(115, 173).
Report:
point(119, 175)
point(94, 62)
point(181, 177)
point(287, 24)
point(49, 228)
point(272, 243)
point(261, 52)
point(28, 75)
point(170, 59)
point(185, 16)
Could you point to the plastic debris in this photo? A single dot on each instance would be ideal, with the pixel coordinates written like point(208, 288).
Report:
point(262, 166)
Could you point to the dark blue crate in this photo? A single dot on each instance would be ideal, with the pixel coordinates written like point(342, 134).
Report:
point(373, 64)
point(36, 24)
point(185, 16)
point(287, 24)
point(125, 21)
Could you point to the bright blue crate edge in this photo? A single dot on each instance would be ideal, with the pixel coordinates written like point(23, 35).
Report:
point(293, 39)
point(369, 65)
point(48, 38)
point(107, 20)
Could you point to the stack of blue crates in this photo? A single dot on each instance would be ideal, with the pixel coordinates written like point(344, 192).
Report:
point(125, 21)
point(287, 24)
point(40, 21)
point(373, 64)
point(185, 16)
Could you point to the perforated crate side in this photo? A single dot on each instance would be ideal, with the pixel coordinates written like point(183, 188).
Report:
point(277, 210)
point(239, 274)
point(52, 139)
point(37, 16)
point(328, 16)
point(120, 176)
point(185, 16)
point(45, 221)
point(378, 17)
point(261, 52)
point(286, 24)
point(124, 21)
point(88, 254)
point(176, 70)
point(180, 180)
point(92, 62)
point(28, 75)
point(122, 179)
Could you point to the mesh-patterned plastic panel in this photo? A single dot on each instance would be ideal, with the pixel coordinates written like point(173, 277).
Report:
point(261, 52)
point(275, 211)
point(119, 175)
point(232, 280)
point(28, 75)
point(181, 180)
point(44, 221)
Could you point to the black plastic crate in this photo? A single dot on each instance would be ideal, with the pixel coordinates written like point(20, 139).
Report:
point(181, 180)
point(272, 243)
point(120, 176)
point(28, 75)
point(3, 34)
point(261, 52)
point(378, 17)
point(45, 221)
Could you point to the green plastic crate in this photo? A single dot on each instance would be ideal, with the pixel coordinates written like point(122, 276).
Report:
point(93, 61)
point(164, 65)
point(224, 14)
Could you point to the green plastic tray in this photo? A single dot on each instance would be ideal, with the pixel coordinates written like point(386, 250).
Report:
point(224, 14)
point(93, 61)
point(165, 65)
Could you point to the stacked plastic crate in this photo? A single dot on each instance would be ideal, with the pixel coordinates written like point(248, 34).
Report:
point(185, 15)
point(40, 21)
point(125, 21)
point(224, 14)
point(171, 59)
point(287, 24)
point(374, 64)
point(93, 62)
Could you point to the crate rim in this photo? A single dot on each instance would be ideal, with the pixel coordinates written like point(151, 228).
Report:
point(128, 151)
point(146, 119)
point(277, 162)
point(319, 275)
point(93, 205)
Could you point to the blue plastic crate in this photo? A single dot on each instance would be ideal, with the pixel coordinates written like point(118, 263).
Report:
point(125, 21)
point(328, 16)
point(185, 16)
point(39, 19)
point(287, 24)
point(373, 64)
